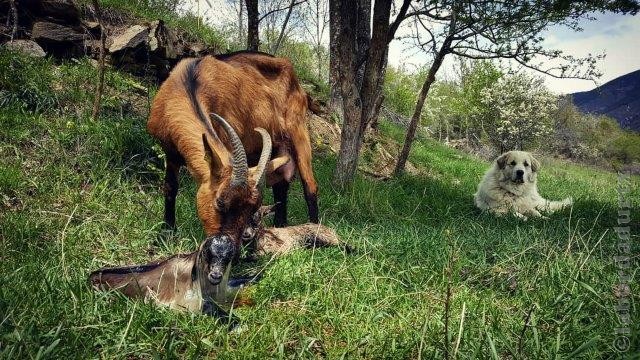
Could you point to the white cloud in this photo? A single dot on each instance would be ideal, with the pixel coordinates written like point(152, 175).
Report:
point(614, 35)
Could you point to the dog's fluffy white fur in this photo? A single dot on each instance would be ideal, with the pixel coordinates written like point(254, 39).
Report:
point(509, 187)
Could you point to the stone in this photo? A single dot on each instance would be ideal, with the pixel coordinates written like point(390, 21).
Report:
point(162, 41)
point(44, 31)
point(27, 47)
point(61, 11)
point(131, 38)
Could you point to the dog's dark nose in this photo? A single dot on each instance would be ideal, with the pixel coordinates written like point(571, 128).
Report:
point(215, 278)
point(519, 173)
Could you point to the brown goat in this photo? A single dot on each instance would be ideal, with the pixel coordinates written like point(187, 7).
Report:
point(250, 90)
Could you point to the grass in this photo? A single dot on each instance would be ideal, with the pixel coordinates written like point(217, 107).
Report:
point(79, 194)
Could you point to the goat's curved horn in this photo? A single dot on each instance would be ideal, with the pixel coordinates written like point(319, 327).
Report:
point(265, 155)
point(239, 163)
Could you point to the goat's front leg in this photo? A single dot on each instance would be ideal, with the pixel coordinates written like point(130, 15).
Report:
point(280, 193)
point(171, 186)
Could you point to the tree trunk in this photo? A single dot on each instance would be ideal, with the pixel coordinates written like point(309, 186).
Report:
point(253, 39)
point(334, 57)
point(358, 106)
point(240, 22)
point(376, 61)
point(363, 38)
point(284, 27)
point(346, 22)
point(415, 118)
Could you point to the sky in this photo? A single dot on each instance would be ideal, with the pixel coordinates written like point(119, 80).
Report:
point(617, 36)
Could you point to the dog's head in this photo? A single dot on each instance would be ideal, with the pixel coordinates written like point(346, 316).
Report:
point(518, 167)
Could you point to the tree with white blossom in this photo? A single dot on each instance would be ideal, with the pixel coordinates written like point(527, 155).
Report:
point(518, 111)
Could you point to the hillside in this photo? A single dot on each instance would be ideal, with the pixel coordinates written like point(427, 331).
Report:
point(618, 98)
point(78, 194)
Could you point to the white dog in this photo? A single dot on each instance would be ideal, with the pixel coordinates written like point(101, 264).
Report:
point(510, 187)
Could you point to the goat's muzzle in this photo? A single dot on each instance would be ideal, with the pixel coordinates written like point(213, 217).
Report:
point(217, 253)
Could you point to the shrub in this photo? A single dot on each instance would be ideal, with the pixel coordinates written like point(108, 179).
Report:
point(518, 111)
point(401, 90)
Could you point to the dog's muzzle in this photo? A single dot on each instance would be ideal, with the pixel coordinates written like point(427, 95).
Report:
point(519, 177)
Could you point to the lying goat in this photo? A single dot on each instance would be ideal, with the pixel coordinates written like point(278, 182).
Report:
point(197, 282)
point(280, 241)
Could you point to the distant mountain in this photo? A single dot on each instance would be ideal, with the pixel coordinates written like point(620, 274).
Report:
point(619, 98)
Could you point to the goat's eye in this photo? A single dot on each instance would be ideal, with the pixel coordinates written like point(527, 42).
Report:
point(526, 164)
point(513, 163)
point(220, 204)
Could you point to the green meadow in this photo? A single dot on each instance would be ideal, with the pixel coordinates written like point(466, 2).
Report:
point(78, 194)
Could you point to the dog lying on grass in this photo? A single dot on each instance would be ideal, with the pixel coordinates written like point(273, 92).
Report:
point(510, 186)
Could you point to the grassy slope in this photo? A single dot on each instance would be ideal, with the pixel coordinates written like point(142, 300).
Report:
point(80, 194)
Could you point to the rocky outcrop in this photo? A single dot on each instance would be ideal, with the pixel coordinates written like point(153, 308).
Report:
point(61, 29)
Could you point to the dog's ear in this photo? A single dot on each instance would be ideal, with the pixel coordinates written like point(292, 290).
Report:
point(502, 160)
point(535, 164)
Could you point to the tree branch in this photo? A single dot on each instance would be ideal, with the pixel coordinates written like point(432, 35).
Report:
point(399, 18)
point(281, 9)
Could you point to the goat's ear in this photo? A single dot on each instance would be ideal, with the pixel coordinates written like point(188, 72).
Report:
point(271, 169)
point(266, 210)
point(213, 158)
point(278, 170)
point(502, 160)
point(535, 164)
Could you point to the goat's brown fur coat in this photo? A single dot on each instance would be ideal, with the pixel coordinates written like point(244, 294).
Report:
point(249, 90)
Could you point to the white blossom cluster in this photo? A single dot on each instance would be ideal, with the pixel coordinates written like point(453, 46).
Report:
point(519, 109)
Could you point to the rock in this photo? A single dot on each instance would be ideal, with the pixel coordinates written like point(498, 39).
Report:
point(163, 41)
point(58, 40)
point(59, 11)
point(47, 32)
point(93, 27)
point(27, 47)
point(130, 39)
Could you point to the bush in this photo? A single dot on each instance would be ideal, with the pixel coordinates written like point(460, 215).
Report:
point(401, 90)
point(518, 112)
point(624, 149)
point(592, 138)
